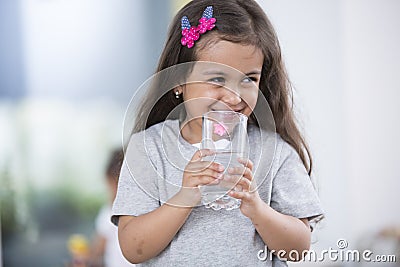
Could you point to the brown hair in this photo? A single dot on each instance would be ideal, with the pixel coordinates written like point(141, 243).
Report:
point(114, 164)
point(241, 22)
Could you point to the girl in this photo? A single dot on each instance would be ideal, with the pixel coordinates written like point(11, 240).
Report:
point(232, 61)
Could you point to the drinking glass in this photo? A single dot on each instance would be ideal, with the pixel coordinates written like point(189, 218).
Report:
point(225, 132)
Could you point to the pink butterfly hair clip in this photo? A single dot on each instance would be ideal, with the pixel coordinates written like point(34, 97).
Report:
point(190, 34)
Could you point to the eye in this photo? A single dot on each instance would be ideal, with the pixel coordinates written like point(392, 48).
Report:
point(250, 79)
point(217, 80)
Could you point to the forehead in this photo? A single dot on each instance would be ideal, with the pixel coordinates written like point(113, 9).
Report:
point(245, 58)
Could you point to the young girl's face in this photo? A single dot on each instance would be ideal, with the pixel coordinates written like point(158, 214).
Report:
point(227, 78)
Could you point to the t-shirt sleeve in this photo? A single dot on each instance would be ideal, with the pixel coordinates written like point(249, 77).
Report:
point(137, 192)
point(292, 190)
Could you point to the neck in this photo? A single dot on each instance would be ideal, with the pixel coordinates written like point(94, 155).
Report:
point(191, 131)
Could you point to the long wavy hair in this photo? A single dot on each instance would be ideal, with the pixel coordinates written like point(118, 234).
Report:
point(241, 22)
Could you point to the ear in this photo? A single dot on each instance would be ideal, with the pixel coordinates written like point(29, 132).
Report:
point(178, 89)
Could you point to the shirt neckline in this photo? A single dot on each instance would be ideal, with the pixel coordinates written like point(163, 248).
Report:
point(175, 125)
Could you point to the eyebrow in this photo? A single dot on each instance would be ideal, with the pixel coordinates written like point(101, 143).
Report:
point(214, 72)
point(257, 72)
point(217, 72)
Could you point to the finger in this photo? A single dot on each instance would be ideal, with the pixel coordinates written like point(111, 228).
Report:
point(199, 154)
point(240, 170)
point(203, 165)
point(238, 188)
point(196, 181)
point(236, 183)
point(246, 162)
point(248, 174)
point(206, 180)
point(244, 183)
point(216, 181)
point(239, 195)
point(209, 173)
point(231, 180)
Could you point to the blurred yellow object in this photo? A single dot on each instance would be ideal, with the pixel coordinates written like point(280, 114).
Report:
point(78, 245)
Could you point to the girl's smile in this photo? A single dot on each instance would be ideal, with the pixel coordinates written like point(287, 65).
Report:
point(226, 77)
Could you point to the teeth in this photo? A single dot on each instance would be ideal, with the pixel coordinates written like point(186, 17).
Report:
point(236, 110)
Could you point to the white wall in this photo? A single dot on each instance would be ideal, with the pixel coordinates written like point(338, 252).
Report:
point(86, 49)
point(343, 60)
point(310, 36)
point(372, 80)
point(82, 62)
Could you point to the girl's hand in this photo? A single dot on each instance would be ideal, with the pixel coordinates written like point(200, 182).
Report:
point(198, 173)
point(245, 187)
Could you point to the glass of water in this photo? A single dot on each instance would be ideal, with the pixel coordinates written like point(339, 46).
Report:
point(225, 132)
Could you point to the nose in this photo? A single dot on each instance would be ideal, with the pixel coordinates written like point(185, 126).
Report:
point(231, 97)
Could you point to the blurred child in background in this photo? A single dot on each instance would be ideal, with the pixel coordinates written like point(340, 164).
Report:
point(105, 250)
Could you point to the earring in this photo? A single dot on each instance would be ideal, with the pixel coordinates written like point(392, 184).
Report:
point(176, 94)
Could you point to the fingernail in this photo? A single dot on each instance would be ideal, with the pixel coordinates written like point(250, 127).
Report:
point(205, 153)
point(221, 167)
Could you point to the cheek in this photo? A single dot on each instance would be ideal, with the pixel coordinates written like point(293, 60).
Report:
point(197, 102)
point(250, 97)
point(200, 92)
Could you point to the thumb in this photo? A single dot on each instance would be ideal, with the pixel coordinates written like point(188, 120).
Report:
point(199, 154)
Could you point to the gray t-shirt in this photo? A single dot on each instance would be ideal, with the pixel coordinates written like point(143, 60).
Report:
point(152, 173)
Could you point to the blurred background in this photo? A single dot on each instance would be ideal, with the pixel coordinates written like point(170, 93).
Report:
point(69, 68)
